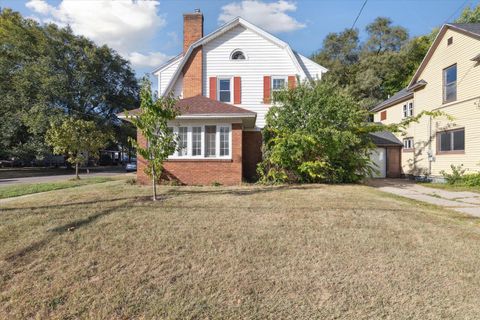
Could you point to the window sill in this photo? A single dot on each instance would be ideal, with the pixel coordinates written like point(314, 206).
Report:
point(199, 160)
point(444, 103)
point(450, 152)
point(408, 150)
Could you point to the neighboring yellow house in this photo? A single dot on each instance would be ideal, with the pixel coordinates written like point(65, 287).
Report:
point(448, 79)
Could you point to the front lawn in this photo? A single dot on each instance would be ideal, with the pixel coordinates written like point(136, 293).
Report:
point(298, 252)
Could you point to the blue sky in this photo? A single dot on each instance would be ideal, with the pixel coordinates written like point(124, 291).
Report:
point(149, 33)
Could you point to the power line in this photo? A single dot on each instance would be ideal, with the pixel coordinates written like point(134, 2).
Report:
point(359, 13)
point(456, 11)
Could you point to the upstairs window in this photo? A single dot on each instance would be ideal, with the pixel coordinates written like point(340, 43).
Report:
point(449, 41)
point(237, 55)
point(224, 90)
point(452, 141)
point(278, 84)
point(408, 110)
point(450, 84)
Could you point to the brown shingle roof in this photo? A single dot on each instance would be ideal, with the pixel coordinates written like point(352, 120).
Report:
point(200, 105)
point(203, 105)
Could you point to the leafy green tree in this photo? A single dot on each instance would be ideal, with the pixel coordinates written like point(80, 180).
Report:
point(470, 15)
point(382, 36)
point(318, 133)
point(78, 139)
point(152, 121)
point(47, 72)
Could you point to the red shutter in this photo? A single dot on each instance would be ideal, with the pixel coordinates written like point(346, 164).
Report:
point(383, 115)
point(292, 82)
point(237, 90)
point(213, 88)
point(266, 89)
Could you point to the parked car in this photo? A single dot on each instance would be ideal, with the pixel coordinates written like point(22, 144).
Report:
point(131, 166)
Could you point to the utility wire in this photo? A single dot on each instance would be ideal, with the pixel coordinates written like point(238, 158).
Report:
point(359, 13)
point(456, 11)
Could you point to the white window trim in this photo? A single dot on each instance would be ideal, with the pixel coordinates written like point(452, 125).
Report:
point(408, 143)
point(238, 60)
point(189, 155)
point(410, 109)
point(407, 110)
point(231, 87)
point(285, 78)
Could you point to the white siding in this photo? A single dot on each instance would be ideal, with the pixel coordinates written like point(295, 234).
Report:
point(263, 58)
point(166, 75)
point(311, 68)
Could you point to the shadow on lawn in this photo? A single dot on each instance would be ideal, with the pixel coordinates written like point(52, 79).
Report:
point(16, 256)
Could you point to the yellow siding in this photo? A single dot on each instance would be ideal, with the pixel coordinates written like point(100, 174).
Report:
point(465, 110)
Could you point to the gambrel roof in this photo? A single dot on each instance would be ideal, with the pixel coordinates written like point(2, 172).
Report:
point(297, 59)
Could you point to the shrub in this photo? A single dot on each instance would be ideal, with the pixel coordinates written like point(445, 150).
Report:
point(456, 176)
point(471, 179)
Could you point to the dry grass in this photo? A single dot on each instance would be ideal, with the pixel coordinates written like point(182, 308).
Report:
point(105, 251)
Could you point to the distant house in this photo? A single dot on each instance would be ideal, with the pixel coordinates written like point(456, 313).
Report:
point(448, 80)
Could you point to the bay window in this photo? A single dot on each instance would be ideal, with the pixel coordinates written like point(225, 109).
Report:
point(203, 142)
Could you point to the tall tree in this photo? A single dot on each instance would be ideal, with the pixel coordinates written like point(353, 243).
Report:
point(383, 37)
point(47, 72)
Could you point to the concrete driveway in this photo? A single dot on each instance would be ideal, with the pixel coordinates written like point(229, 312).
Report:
point(52, 178)
point(461, 201)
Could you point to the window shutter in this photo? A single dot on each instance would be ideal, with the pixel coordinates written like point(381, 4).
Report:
point(237, 90)
point(292, 82)
point(213, 88)
point(267, 80)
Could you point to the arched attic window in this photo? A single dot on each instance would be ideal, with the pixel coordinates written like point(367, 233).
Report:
point(237, 55)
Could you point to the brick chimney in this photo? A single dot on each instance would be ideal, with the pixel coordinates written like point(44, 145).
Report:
point(192, 71)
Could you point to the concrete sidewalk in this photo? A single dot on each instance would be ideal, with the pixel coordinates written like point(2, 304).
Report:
point(461, 201)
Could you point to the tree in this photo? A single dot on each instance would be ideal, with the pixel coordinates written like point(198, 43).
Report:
point(382, 36)
point(47, 72)
point(470, 15)
point(318, 132)
point(76, 138)
point(152, 121)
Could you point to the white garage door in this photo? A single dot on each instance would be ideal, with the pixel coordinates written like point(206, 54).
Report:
point(379, 159)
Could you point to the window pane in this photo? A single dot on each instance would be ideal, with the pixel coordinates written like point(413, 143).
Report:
point(451, 74)
point(225, 84)
point(278, 84)
point(451, 92)
point(238, 56)
point(459, 140)
point(410, 109)
point(445, 141)
point(210, 137)
point(196, 141)
point(224, 141)
point(182, 141)
point(225, 96)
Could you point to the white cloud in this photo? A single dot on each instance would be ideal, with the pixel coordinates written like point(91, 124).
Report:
point(271, 16)
point(152, 59)
point(125, 25)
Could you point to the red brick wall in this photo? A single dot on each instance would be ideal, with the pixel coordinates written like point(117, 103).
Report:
point(192, 75)
point(252, 153)
point(205, 171)
point(192, 71)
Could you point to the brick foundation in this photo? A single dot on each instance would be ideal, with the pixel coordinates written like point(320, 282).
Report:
point(200, 172)
point(252, 154)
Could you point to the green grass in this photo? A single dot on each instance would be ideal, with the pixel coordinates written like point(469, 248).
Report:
point(105, 251)
point(24, 189)
point(450, 187)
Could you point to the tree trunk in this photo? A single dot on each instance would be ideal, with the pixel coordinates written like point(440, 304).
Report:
point(76, 170)
point(154, 185)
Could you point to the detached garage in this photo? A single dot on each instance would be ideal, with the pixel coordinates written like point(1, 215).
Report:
point(387, 155)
